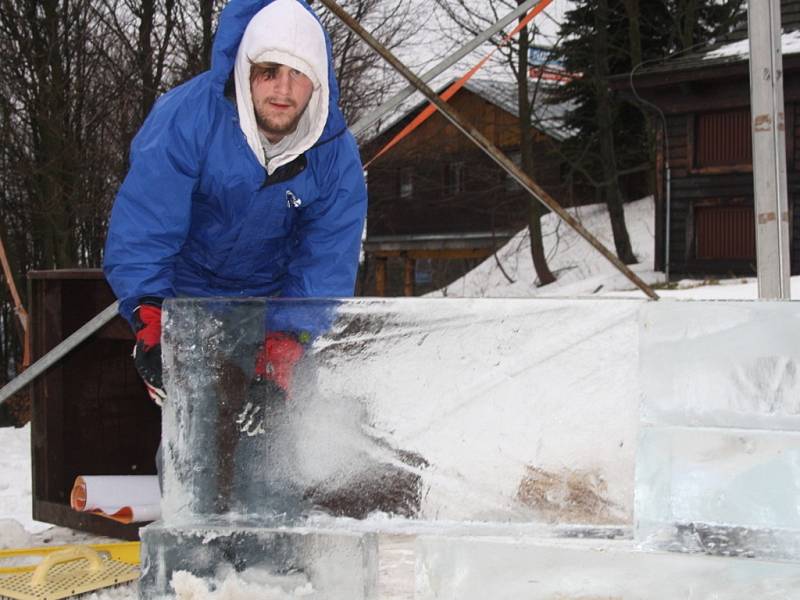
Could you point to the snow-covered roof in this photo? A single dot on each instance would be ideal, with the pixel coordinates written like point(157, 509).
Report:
point(740, 50)
point(547, 118)
point(731, 50)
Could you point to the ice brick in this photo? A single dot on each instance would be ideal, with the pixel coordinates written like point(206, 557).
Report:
point(329, 564)
point(721, 364)
point(732, 491)
point(391, 406)
point(464, 568)
point(718, 462)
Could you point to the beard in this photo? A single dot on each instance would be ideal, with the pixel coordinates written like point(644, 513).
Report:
point(280, 124)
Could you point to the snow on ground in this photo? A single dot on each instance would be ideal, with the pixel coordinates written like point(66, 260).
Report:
point(15, 487)
point(579, 268)
point(581, 271)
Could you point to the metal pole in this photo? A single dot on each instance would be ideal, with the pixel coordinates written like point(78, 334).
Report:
point(440, 68)
point(57, 353)
point(668, 223)
point(490, 149)
point(769, 149)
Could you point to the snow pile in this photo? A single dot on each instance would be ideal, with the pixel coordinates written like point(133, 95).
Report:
point(583, 271)
point(14, 535)
point(15, 486)
point(251, 584)
point(578, 267)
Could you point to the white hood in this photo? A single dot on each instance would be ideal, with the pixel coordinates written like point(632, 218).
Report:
point(284, 32)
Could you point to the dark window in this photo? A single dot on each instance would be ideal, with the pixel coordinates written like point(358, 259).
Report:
point(725, 233)
point(406, 182)
point(723, 139)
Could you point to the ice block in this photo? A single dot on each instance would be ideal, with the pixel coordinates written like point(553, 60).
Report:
point(437, 409)
point(718, 460)
point(464, 568)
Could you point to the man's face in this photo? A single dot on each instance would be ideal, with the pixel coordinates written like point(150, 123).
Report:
point(280, 96)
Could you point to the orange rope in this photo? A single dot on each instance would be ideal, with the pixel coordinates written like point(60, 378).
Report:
point(22, 314)
point(450, 92)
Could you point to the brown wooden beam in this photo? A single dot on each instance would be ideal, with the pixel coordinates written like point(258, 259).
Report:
point(380, 275)
point(408, 276)
point(441, 253)
point(62, 514)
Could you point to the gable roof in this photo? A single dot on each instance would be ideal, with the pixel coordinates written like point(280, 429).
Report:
point(547, 118)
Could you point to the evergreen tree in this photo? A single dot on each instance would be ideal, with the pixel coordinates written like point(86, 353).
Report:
point(603, 38)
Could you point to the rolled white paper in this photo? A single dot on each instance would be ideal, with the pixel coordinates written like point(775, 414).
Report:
point(123, 498)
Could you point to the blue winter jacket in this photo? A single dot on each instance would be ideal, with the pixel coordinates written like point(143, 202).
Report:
point(197, 214)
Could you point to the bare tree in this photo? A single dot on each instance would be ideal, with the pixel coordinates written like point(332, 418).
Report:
point(194, 35)
point(363, 77)
point(471, 19)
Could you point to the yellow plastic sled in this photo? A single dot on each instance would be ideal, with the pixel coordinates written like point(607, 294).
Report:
point(67, 571)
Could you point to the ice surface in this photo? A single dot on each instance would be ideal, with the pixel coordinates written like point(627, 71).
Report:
point(465, 420)
point(395, 408)
point(463, 568)
point(724, 364)
point(260, 561)
point(720, 491)
point(718, 460)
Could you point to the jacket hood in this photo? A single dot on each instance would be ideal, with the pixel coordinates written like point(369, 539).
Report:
point(291, 35)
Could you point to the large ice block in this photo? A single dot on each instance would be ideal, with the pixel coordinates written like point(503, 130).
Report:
point(718, 462)
point(428, 408)
point(464, 568)
point(325, 564)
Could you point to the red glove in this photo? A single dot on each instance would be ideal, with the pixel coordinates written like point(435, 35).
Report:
point(147, 351)
point(277, 358)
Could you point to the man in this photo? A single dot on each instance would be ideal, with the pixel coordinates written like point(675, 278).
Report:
point(244, 181)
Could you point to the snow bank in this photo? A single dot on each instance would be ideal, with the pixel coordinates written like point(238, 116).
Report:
point(579, 268)
point(15, 487)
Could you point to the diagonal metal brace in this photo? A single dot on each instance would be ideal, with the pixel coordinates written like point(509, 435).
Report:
point(58, 352)
point(364, 122)
point(490, 149)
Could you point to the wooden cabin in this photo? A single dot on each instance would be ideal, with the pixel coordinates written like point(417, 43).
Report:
point(438, 206)
point(705, 100)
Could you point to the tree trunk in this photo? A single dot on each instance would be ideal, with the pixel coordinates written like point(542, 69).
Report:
point(206, 18)
point(635, 35)
point(634, 32)
point(144, 58)
point(55, 152)
point(606, 137)
point(535, 210)
point(688, 22)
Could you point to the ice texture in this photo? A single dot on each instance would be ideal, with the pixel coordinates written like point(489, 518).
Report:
point(499, 432)
point(463, 568)
point(718, 459)
point(438, 409)
point(721, 364)
point(280, 561)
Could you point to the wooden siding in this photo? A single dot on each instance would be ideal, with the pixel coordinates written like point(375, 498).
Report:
point(704, 201)
point(484, 202)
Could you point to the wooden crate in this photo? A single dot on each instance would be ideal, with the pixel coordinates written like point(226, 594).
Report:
point(90, 412)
